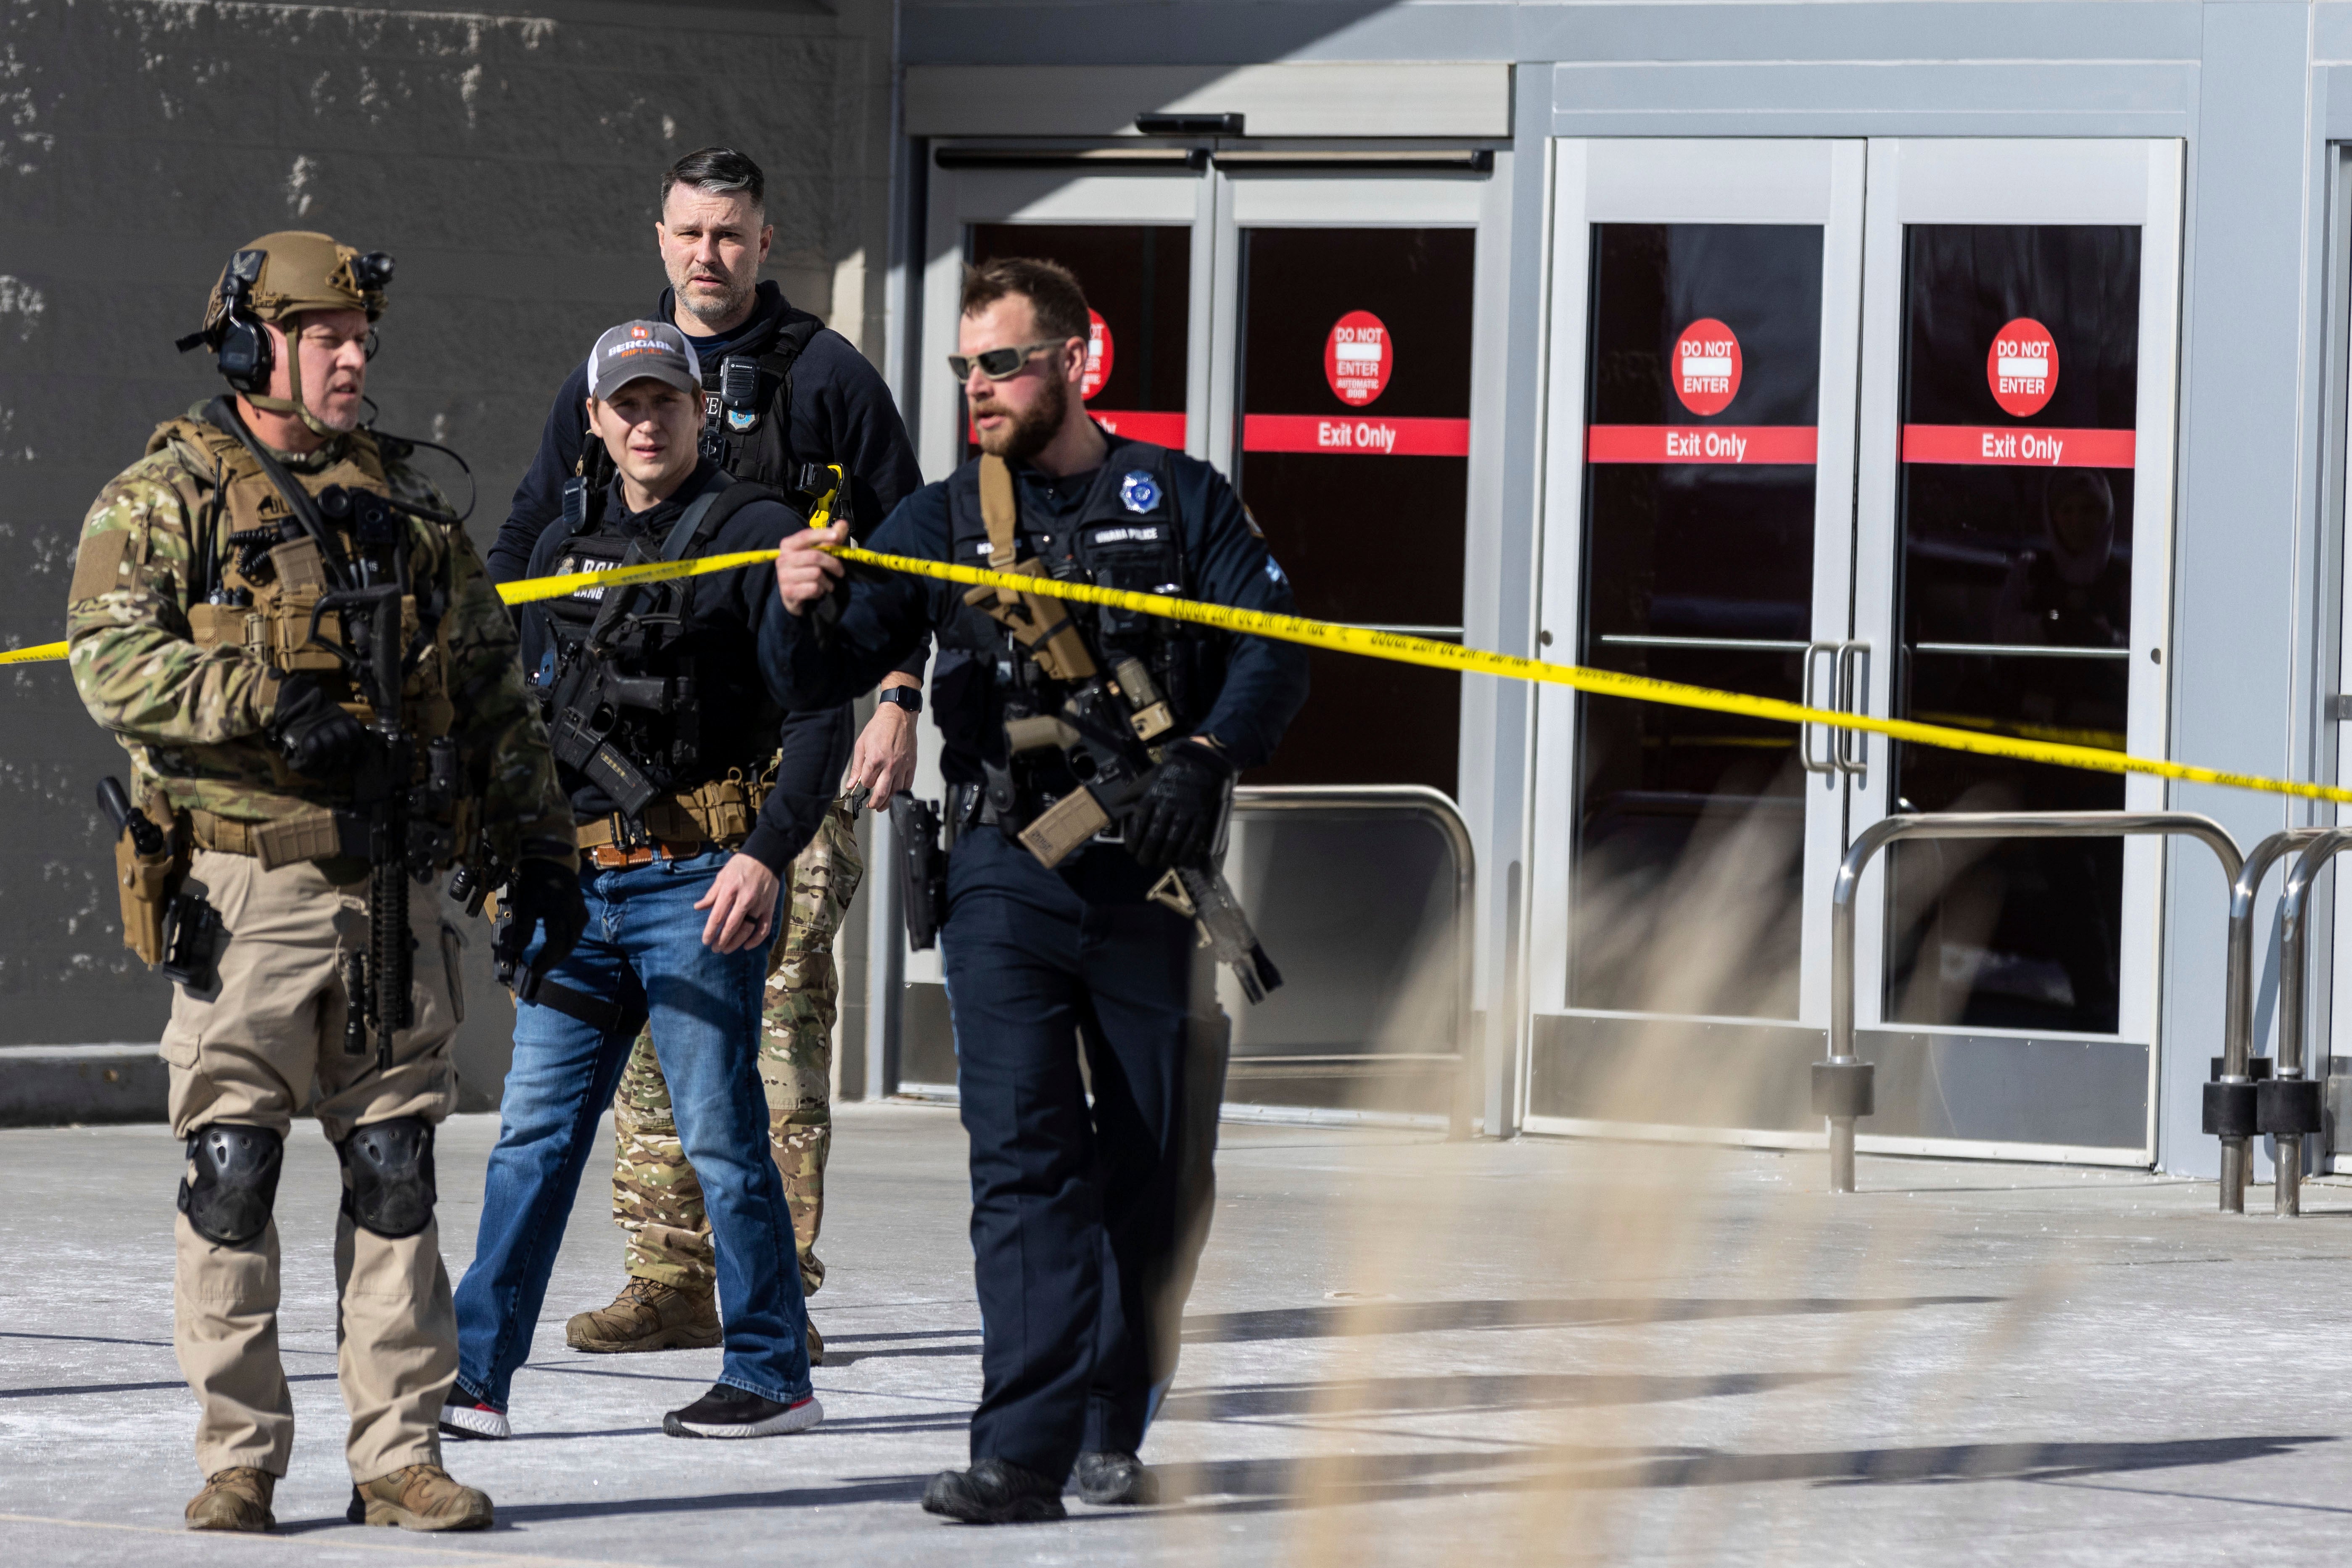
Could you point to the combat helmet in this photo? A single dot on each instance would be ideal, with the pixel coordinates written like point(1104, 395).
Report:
point(273, 279)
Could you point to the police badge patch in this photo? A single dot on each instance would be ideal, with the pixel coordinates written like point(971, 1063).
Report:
point(1139, 490)
point(741, 419)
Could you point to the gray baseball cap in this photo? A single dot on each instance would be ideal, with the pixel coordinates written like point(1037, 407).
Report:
point(637, 349)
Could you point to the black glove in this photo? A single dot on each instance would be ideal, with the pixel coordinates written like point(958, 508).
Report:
point(1174, 821)
point(310, 731)
point(543, 891)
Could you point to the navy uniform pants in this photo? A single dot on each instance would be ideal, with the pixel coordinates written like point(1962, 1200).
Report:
point(1088, 1211)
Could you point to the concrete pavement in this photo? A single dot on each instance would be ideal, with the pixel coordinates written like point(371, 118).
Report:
point(1399, 1350)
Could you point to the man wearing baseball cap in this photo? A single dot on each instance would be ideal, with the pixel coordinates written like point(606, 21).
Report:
point(783, 397)
point(661, 724)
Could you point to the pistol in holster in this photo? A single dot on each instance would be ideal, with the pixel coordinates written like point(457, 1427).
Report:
point(923, 869)
point(165, 923)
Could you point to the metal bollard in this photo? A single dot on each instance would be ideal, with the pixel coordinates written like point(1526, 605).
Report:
point(2229, 1098)
point(2290, 1107)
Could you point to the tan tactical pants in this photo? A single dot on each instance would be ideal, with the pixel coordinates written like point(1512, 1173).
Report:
point(656, 1199)
point(255, 1050)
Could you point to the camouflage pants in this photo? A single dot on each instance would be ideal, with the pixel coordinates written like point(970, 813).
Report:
point(656, 1199)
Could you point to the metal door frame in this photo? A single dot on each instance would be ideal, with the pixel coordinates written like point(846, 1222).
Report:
point(1759, 181)
point(2011, 181)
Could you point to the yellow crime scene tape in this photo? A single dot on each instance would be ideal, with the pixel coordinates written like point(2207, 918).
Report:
point(1399, 648)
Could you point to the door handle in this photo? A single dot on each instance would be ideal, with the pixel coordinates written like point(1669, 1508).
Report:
point(1828, 762)
point(1850, 749)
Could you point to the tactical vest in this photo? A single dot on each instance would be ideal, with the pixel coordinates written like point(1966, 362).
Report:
point(262, 575)
point(624, 686)
point(747, 410)
point(1126, 534)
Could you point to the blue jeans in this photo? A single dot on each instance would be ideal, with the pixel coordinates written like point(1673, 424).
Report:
point(706, 1028)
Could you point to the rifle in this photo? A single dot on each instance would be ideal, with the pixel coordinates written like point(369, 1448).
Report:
point(1203, 897)
point(393, 814)
point(1103, 729)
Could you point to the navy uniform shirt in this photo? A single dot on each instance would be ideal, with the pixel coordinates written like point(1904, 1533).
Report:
point(885, 613)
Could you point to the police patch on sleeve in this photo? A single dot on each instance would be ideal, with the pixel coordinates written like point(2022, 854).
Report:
point(1139, 490)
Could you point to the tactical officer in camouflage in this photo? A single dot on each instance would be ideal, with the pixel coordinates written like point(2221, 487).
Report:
point(208, 633)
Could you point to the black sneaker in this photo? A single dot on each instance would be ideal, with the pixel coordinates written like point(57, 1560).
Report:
point(994, 1491)
point(1112, 1480)
point(730, 1412)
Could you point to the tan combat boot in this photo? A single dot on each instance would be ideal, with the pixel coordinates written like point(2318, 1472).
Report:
point(235, 1499)
point(816, 1347)
point(647, 1316)
point(420, 1497)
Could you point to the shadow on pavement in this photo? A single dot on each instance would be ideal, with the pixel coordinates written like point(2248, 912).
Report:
point(1247, 1486)
point(1438, 1395)
point(1431, 1317)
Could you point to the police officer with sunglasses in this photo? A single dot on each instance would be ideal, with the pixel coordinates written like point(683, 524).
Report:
point(1090, 754)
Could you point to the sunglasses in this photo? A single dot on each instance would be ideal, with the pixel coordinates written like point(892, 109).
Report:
point(1000, 365)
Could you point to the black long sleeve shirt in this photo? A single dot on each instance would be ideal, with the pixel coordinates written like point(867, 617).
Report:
point(841, 410)
point(743, 716)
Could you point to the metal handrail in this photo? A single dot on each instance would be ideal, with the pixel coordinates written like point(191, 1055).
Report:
point(1438, 807)
point(2294, 952)
point(1971, 824)
point(2238, 1000)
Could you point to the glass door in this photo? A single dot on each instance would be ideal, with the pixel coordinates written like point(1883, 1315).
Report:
point(1698, 528)
point(2016, 484)
point(1343, 414)
point(1137, 241)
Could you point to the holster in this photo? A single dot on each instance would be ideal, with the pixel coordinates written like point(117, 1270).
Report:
point(146, 883)
point(923, 869)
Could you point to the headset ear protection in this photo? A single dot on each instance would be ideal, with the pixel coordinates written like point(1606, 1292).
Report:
point(240, 343)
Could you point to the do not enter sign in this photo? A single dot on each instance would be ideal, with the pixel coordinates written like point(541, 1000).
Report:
point(1706, 366)
point(1357, 358)
point(2023, 368)
point(1098, 357)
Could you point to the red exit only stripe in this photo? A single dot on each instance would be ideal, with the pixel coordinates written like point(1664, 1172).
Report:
point(2018, 447)
point(1361, 438)
point(1160, 429)
point(1702, 444)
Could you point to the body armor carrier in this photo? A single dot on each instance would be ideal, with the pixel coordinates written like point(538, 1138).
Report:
point(264, 564)
point(1057, 670)
point(622, 688)
point(1087, 697)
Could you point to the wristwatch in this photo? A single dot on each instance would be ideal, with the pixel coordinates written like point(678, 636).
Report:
point(910, 698)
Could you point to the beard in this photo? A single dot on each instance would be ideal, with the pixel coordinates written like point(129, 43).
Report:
point(1026, 432)
point(708, 308)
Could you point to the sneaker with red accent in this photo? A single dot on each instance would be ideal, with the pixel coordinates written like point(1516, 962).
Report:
point(463, 1417)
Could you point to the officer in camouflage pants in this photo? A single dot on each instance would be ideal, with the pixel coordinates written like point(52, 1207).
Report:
point(669, 1303)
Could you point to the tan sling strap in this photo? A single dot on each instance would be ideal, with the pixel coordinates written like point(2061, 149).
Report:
point(1041, 625)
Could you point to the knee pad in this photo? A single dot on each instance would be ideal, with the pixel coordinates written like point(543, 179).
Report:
point(236, 1185)
point(388, 1176)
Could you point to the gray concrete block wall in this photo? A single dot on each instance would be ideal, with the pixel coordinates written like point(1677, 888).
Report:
point(509, 162)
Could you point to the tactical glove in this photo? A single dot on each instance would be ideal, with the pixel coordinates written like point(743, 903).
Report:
point(310, 731)
point(541, 892)
point(1174, 821)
